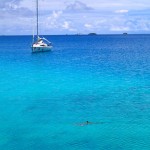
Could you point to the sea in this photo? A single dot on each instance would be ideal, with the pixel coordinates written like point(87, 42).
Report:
point(47, 98)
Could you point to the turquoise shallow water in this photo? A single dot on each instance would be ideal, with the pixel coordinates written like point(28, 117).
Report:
point(45, 96)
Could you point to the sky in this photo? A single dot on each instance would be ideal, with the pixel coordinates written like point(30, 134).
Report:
point(18, 17)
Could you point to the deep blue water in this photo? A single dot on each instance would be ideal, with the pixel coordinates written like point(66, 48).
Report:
point(102, 79)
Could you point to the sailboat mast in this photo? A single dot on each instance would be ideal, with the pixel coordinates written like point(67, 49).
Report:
point(37, 11)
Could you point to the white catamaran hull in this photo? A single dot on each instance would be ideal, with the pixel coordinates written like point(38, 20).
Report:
point(41, 49)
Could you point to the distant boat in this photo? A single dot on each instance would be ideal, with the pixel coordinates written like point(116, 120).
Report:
point(40, 44)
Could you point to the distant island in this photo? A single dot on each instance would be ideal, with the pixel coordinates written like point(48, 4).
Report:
point(125, 33)
point(92, 34)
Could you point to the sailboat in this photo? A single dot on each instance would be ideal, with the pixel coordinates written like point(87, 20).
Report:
point(40, 44)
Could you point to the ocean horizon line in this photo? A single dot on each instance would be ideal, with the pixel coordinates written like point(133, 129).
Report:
point(77, 34)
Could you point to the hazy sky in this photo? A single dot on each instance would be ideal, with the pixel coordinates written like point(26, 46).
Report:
point(75, 16)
